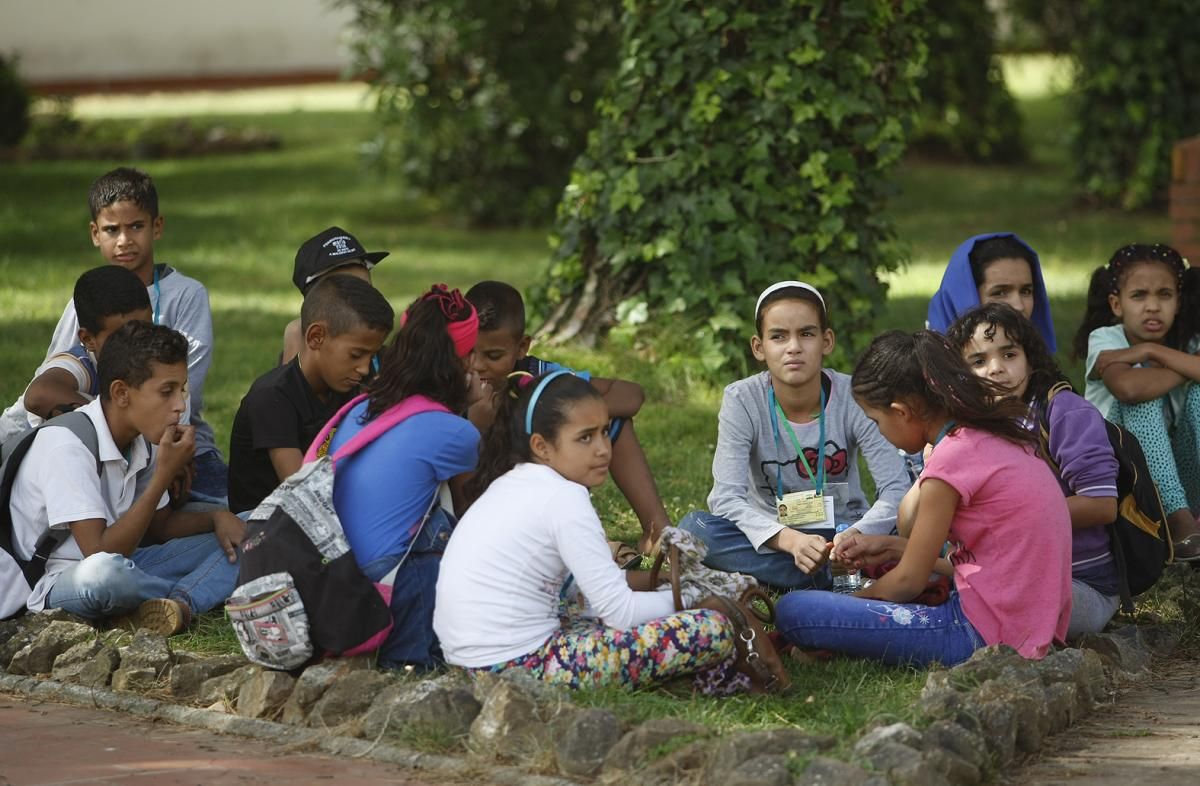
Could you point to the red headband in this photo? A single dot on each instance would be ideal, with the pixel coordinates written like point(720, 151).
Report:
point(464, 331)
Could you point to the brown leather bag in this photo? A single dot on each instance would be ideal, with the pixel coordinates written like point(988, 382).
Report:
point(756, 654)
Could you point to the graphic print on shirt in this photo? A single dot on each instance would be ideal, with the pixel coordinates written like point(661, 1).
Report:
point(836, 466)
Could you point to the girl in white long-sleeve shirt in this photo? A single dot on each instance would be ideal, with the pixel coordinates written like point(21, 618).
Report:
point(531, 533)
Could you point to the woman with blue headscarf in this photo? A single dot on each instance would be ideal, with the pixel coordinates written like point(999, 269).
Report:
point(994, 268)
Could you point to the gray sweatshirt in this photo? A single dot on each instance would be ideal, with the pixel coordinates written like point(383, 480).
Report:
point(747, 455)
point(181, 304)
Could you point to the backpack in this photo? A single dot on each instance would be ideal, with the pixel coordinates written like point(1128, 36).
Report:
point(18, 577)
point(1141, 543)
point(301, 593)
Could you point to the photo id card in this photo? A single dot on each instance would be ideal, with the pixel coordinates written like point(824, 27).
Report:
point(805, 509)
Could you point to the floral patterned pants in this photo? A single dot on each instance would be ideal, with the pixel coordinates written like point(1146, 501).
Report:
point(586, 653)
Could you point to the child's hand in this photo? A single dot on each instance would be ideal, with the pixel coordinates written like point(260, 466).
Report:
point(230, 530)
point(175, 450)
point(181, 486)
point(808, 551)
point(858, 550)
point(482, 402)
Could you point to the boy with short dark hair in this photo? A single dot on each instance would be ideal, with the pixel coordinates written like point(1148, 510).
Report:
point(345, 322)
point(105, 299)
point(103, 569)
point(333, 252)
point(503, 347)
point(125, 225)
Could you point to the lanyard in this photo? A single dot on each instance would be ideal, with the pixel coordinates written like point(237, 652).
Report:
point(157, 294)
point(945, 430)
point(777, 414)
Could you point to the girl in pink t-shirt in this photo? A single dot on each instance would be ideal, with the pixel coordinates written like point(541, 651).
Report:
point(984, 490)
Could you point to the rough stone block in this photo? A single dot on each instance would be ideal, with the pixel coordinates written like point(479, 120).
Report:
point(68, 665)
point(263, 694)
point(186, 678)
point(313, 683)
point(586, 740)
point(901, 733)
point(730, 752)
point(948, 736)
point(148, 650)
point(514, 719)
point(823, 771)
point(633, 750)
point(97, 672)
point(134, 679)
point(347, 698)
point(769, 770)
point(439, 708)
point(37, 657)
point(225, 688)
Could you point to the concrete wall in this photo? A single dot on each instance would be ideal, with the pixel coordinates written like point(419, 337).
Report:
point(157, 43)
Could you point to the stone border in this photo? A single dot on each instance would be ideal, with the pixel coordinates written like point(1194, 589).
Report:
point(972, 721)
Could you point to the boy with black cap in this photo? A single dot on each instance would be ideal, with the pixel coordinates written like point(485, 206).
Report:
point(333, 251)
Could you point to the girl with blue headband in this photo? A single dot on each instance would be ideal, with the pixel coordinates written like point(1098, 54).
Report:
point(532, 535)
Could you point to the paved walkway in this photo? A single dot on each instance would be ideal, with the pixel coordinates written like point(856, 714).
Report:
point(1151, 735)
point(44, 743)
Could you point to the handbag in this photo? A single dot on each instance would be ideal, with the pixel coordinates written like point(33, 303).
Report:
point(757, 657)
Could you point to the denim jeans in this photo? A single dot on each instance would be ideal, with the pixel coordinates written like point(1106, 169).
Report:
point(731, 551)
point(891, 632)
point(193, 569)
point(211, 483)
point(412, 641)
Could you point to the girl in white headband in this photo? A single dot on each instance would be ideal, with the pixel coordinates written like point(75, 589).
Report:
point(785, 471)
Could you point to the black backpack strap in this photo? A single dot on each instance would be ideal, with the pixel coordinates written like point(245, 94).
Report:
point(79, 424)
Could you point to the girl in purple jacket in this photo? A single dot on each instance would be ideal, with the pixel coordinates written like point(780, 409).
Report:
point(1000, 344)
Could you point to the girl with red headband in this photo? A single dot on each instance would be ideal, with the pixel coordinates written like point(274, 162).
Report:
point(386, 494)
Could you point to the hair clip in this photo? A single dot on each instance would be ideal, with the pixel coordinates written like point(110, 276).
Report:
point(518, 381)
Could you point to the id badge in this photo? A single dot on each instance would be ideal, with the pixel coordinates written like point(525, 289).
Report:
point(805, 509)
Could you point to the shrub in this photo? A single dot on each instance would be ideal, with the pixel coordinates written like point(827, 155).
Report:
point(1138, 93)
point(14, 103)
point(485, 103)
point(738, 143)
point(966, 110)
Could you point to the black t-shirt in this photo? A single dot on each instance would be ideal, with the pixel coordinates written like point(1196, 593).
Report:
point(280, 411)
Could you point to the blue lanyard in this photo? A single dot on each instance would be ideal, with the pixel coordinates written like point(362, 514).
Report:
point(157, 294)
point(945, 430)
point(818, 481)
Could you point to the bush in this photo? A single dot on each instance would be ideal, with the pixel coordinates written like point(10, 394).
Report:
point(966, 110)
point(14, 103)
point(485, 103)
point(1138, 93)
point(739, 143)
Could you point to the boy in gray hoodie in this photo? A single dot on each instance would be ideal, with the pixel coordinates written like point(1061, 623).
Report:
point(785, 471)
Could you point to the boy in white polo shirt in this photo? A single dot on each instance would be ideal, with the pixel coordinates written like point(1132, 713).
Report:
point(104, 568)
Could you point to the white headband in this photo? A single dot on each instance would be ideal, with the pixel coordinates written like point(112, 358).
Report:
point(784, 285)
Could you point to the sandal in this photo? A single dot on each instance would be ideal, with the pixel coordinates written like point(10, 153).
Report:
point(624, 555)
point(1187, 549)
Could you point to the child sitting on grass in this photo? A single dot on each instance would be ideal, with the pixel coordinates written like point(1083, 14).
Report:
point(984, 489)
point(785, 471)
point(517, 548)
point(105, 298)
point(1001, 345)
point(1140, 336)
point(333, 252)
point(127, 552)
point(503, 348)
point(993, 268)
point(345, 322)
point(125, 226)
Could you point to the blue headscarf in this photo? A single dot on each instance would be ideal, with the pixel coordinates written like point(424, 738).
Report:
point(958, 294)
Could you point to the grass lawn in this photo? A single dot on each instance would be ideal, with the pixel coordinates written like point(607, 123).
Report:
point(234, 222)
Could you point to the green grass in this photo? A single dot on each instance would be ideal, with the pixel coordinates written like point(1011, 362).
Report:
point(234, 222)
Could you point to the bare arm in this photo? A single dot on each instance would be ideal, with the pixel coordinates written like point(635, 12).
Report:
point(52, 389)
point(935, 513)
point(227, 527)
point(623, 398)
point(286, 461)
point(1091, 511)
point(1116, 367)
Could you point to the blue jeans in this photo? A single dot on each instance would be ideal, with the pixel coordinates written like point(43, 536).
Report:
point(731, 551)
point(211, 483)
point(193, 570)
point(894, 633)
point(412, 641)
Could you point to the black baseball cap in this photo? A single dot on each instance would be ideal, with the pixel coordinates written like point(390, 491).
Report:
point(332, 248)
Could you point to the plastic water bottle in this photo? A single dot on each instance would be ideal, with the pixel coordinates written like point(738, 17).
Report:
point(844, 580)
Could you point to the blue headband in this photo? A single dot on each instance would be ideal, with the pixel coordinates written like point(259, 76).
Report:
point(537, 392)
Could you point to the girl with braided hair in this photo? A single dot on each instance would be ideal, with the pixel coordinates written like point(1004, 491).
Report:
point(1140, 337)
point(984, 489)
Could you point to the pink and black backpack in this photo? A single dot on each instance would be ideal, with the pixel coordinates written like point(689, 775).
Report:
point(301, 594)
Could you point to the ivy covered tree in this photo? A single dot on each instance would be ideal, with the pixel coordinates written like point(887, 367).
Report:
point(966, 109)
point(739, 142)
point(485, 104)
point(1138, 92)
